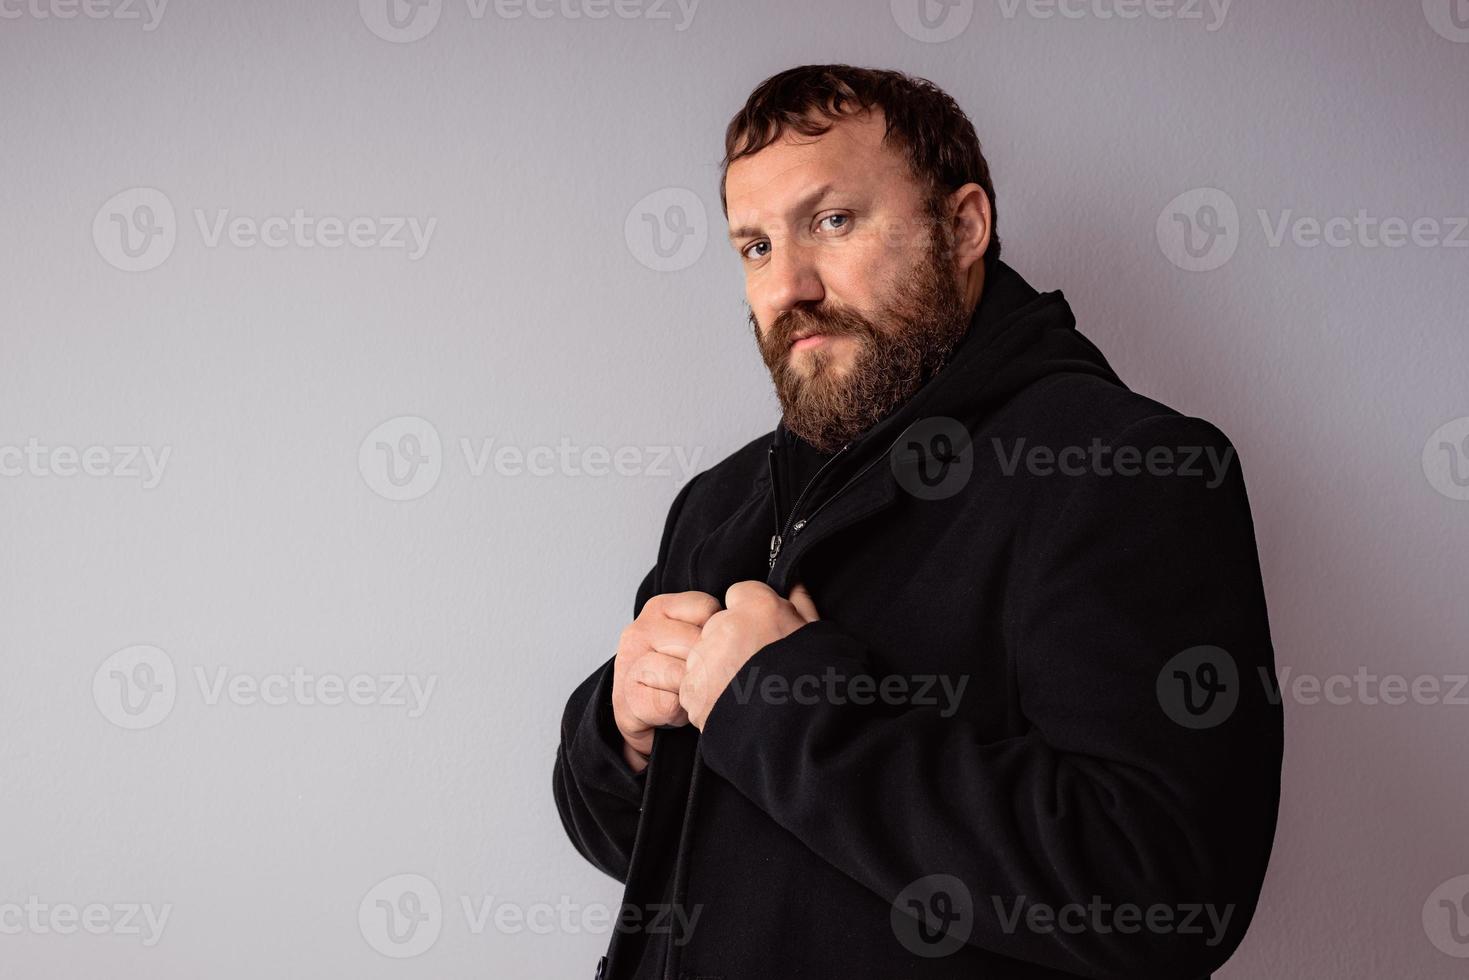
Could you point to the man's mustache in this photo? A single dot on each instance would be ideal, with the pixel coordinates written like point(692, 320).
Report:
point(797, 321)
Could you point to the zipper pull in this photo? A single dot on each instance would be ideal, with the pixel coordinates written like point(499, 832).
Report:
point(774, 548)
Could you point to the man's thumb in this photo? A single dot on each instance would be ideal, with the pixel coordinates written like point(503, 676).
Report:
point(800, 597)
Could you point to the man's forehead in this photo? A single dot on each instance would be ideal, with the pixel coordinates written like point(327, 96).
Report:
point(850, 155)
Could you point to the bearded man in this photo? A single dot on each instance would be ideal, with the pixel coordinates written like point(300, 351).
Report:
point(956, 673)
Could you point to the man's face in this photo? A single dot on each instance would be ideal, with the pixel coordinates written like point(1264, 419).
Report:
point(853, 289)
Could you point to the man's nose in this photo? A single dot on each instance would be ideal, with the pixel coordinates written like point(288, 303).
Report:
point(793, 277)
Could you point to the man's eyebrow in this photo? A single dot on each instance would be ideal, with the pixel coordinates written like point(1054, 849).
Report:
point(807, 200)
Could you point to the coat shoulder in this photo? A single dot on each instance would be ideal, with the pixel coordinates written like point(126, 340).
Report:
point(1076, 406)
point(716, 491)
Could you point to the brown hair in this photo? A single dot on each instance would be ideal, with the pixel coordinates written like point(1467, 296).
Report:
point(922, 121)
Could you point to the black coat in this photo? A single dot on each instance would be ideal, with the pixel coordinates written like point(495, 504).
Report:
point(1100, 796)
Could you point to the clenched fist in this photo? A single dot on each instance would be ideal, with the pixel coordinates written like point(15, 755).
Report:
point(754, 615)
point(648, 670)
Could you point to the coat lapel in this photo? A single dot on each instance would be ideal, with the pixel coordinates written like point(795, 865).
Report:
point(738, 548)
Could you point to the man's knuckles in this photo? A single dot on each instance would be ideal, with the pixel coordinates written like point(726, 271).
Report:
point(749, 592)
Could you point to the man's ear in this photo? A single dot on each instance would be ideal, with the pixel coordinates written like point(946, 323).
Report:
point(971, 223)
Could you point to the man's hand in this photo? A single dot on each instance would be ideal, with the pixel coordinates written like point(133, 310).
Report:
point(649, 668)
point(754, 615)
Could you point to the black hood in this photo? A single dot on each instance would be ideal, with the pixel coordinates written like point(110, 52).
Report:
point(1016, 336)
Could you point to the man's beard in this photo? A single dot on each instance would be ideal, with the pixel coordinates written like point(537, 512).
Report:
point(905, 344)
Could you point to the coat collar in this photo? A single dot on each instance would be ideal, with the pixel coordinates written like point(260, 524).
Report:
point(1015, 335)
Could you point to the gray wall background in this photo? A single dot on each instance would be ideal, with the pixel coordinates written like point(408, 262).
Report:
point(541, 314)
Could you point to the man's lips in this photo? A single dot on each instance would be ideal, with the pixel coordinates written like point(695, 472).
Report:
point(808, 340)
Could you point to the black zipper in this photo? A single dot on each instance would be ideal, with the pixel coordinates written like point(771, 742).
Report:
point(792, 525)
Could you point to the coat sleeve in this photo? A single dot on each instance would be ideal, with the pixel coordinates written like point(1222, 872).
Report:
point(598, 797)
point(1114, 795)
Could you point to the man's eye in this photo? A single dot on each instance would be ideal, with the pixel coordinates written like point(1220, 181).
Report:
point(841, 221)
point(749, 249)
